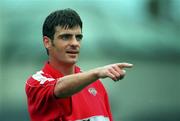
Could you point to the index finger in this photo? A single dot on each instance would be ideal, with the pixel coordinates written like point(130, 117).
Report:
point(125, 65)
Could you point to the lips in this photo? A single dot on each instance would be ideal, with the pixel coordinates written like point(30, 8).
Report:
point(72, 52)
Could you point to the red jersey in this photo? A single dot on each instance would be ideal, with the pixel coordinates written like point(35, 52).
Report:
point(90, 104)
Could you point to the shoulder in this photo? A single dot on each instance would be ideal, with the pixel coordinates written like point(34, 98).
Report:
point(40, 79)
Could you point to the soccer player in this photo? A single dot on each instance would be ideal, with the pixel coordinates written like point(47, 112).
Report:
point(61, 91)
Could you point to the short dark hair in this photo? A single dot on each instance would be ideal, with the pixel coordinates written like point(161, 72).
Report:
point(66, 18)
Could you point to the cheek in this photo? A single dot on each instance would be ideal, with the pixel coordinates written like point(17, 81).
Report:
point(79, 44)
point(60, 50)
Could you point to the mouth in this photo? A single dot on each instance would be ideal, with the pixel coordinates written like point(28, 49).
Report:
point(72, 52)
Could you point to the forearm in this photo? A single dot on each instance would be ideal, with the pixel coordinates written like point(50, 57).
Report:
point(68, 85)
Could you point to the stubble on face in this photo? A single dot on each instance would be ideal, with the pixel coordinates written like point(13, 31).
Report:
point(66, 46)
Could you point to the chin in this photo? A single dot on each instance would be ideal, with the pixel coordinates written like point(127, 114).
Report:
point(72, 61)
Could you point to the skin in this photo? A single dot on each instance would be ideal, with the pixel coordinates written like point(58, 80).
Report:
point(64, 48)
point(63, 54)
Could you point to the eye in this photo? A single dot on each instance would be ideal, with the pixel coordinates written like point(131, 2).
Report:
point(79, 37)
point(65, 37)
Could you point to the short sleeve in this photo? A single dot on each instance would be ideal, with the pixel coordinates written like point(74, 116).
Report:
point(42, 104)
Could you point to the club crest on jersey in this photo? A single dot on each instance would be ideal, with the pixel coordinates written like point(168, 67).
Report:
point(92, 91)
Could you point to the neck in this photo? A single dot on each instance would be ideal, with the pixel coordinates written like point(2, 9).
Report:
point(64, 68)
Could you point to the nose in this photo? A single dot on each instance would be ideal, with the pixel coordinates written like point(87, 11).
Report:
point(74, 42)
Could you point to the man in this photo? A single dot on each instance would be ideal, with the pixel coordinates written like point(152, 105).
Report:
point(60, 91)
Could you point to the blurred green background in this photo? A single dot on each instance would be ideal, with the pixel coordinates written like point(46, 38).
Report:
point(143, 32)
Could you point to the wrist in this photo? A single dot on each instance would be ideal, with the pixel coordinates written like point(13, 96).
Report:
point(95, 73)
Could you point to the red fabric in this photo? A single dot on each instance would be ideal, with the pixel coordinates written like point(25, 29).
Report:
point(43, 106)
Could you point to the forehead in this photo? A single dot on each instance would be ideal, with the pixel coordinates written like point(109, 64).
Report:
point(63, 30)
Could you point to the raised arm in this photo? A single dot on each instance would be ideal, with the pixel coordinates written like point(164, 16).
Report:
point(71, 84)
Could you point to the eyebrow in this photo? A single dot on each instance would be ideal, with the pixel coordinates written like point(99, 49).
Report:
point(68, 34)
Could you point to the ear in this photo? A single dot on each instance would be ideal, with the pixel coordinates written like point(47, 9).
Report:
point(47, 42)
